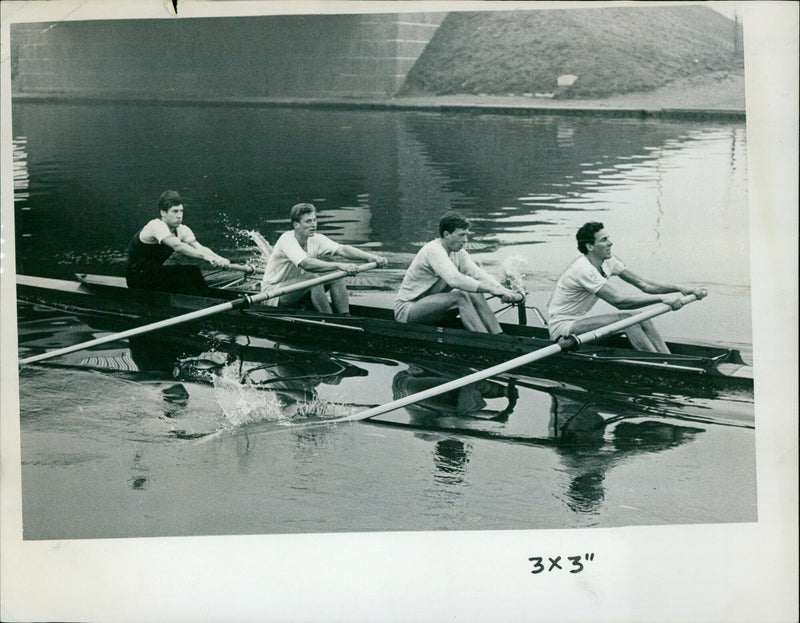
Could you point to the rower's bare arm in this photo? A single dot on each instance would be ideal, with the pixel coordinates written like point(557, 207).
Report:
point(208, 255)
point(624, 300)
point(189, 250)
point(354, 253)
point(651, 286)
point(316, 265)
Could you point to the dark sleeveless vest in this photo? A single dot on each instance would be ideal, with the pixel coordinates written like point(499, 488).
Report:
point(146, 258)
point(146, 270)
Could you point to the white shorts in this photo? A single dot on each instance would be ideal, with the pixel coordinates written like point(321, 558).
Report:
point(561, 328)
point(402, 310)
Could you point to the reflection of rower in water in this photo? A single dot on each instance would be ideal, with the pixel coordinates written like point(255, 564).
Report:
point(581, 435)
point(469, 400)
point(158, 351)
point(450, 455)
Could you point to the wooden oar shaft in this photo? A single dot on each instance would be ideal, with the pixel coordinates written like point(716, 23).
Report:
point(244, 301)
point(522, 360)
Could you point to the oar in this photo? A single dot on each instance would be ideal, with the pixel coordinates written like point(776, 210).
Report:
point(570, 343)
point(242, 268)
point(244, 301)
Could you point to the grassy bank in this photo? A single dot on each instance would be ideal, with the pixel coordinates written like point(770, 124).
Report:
point(612, 51)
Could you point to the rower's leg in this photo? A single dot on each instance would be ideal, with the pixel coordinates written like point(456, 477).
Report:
point(319, 299)
point(339, 297)
point(652, 334)
point(476, 314)
point(292, 299)
point(485, 313)
point(590, 323)
point(638, 339)
point(434, 308)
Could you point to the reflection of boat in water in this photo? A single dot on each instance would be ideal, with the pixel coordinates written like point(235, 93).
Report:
point(287, 380)
point(191, 370)
point(491, 408)
point(518, 408)
point(514, 409)
point(148, 355)
point(178, 353)
point(590, 435)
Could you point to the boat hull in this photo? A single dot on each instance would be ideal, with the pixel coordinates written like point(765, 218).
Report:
point(372, 331)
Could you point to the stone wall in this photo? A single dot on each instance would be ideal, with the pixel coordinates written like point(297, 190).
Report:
point(275, 56)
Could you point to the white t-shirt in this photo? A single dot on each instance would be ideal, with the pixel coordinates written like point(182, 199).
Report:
point(434, 269)
point(283, 266)
point(156, 230)
point(576, 290)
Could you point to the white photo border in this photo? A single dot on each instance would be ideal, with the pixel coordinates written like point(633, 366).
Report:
point(731, 572)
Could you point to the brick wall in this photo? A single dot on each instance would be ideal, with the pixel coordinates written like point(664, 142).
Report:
point(283, 56)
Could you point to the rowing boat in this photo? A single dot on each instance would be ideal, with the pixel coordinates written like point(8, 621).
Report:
point(371, 330)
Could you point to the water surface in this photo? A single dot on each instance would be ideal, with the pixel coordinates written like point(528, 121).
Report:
point(221, 445)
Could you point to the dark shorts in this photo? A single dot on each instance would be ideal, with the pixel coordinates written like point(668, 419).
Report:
point(179, 278)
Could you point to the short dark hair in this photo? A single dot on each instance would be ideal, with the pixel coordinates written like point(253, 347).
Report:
point(168, 199)
point(452, 221)
point(300, 210)
point(586, 235)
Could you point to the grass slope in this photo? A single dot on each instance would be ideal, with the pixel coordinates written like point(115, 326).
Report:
point(611, 50)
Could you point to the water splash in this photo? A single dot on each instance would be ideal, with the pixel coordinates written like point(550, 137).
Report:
point(244, 403)
point(260, 242)
point(512, 274)
point(243, 240)
point(321, 409)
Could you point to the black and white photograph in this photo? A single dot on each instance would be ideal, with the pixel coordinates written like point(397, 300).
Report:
point(408, 311)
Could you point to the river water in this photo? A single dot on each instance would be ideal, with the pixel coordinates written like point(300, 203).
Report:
point(109, 450)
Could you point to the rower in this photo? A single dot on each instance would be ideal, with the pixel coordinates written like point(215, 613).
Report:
point(442, 277)
point(301, 251)
point(157, 241)
point(588, 278)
